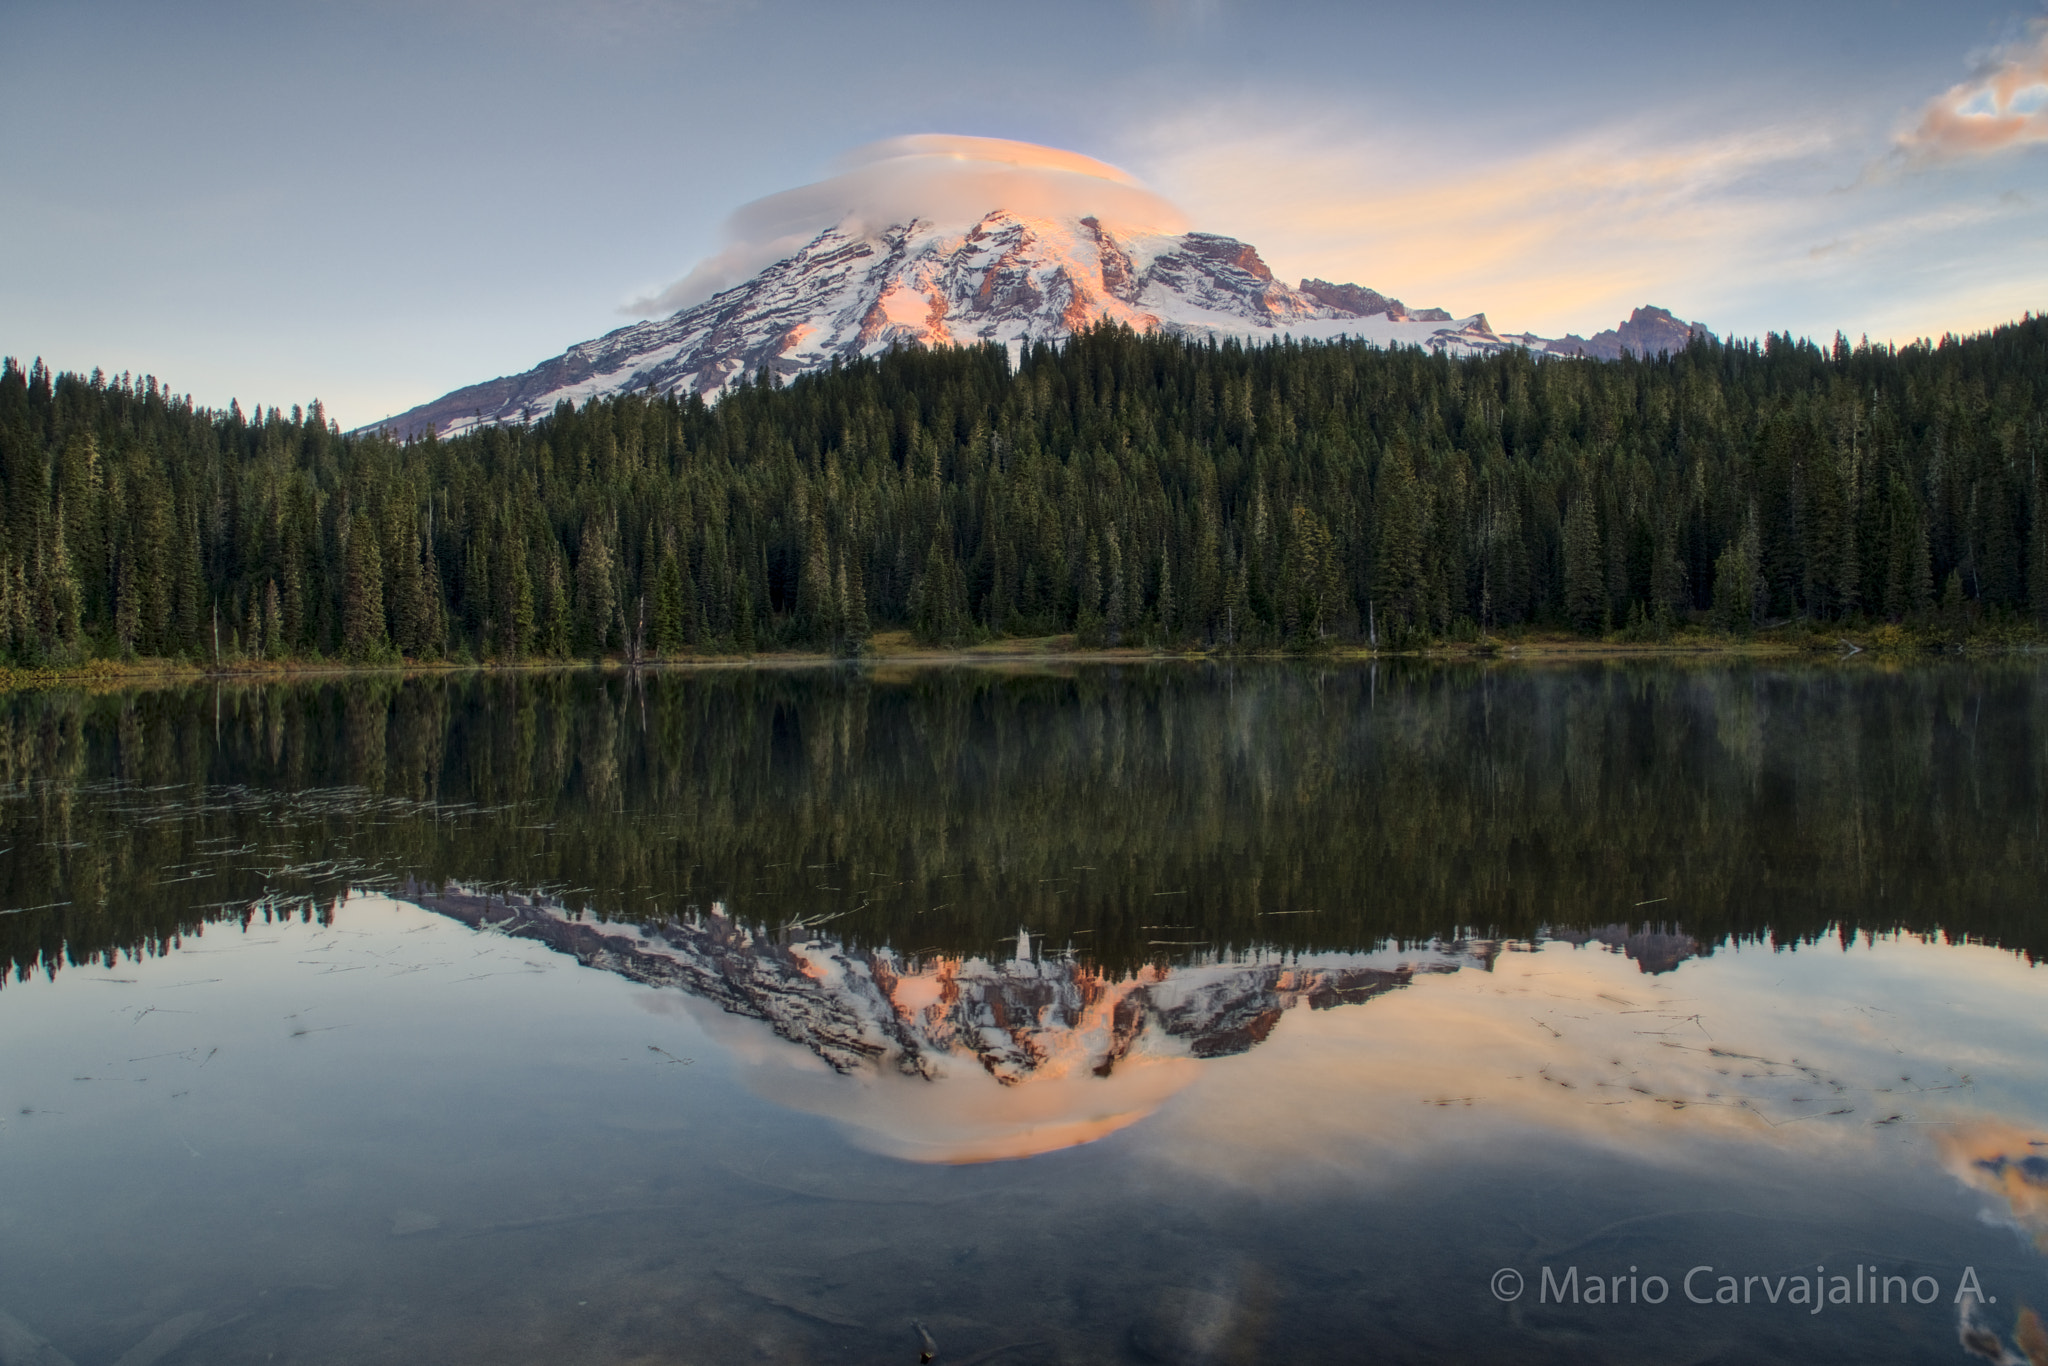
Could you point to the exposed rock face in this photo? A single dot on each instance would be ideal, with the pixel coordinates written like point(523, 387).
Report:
point(862, 1009)
point(1355, 299)
point(1008, 279)
point(1649, 332)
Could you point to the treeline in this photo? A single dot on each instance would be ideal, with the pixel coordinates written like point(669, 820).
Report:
point(1134, 489)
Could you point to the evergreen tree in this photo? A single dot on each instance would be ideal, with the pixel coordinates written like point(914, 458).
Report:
point(1585, 577)
point(596, 588)
point(668, 604)
point(362, 588)
point(1398, 589)
point(853, 598)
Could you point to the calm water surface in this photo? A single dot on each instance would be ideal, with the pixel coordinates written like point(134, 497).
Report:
point(1175, 1014)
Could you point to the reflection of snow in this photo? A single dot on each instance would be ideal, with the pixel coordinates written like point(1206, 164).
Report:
point(1025, 1018)
point(1035, 1052)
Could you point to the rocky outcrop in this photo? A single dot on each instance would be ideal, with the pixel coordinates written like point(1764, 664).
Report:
point(1649, 332)
point(1355, 299)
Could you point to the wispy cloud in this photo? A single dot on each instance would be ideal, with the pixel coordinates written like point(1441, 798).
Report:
point(1920, 227)
point(2003, 106)
point(1551, 236)
point(1750, 220)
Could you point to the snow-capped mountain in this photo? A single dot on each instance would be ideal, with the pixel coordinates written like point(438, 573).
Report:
point(1009, 278)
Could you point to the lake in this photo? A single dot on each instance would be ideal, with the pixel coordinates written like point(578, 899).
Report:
point(1189, 1012)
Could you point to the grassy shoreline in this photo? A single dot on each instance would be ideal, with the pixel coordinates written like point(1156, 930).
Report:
point(896, 648)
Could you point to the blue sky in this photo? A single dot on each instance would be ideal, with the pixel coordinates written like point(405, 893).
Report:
point(378, 202)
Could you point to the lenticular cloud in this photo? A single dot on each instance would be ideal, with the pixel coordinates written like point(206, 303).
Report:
point(945, 180)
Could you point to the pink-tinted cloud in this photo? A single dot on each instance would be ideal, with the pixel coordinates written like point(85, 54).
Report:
point(943, 179)
point(2004, 105)
point(1555, 236)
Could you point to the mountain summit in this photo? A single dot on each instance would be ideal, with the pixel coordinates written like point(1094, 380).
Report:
point(1008, 275)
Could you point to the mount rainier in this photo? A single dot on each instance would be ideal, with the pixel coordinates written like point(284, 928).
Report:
point(1011, 278)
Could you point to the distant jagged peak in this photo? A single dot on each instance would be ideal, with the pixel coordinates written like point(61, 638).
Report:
point(1649, 332)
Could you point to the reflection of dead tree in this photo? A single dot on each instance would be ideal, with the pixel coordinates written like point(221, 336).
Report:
point(636, 643)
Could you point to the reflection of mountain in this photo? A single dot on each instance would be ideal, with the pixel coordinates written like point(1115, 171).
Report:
point(1652, 948)
point(866, 1009)
point(1299, 809)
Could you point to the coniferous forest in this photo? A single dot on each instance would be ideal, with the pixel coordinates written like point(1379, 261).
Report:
point(1132, 489)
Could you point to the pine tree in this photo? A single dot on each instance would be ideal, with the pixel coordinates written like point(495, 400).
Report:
point(2037, 548)
point(515, 609)
point(815, 608)
point(65, 595)
point(1400, 512)
point(1921, 568)
point(127, 603)
point(596, 589)
point(273, 621)
point(1739, 599)
point(1954, 609)
point(407, 590)
point(743, 617)
point(1237, 605)
point(1166, 608)
point(1585, 578)
point(362, 612)
point(188, 607)
point(668, 604)
point(1088, 604)
point(934, 610)
point(552, 608)
point(1113, 603)
point(855, 598)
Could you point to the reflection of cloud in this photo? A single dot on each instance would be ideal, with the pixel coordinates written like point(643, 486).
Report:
point(1768, 1051)
point(2008, 1162)
point(969, 1116)
point(946, 180)
point(2005, 105)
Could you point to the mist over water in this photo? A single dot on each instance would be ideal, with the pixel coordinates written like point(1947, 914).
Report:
point(1226, 1012)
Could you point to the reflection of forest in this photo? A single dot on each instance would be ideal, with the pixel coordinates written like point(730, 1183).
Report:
point(1139, 813)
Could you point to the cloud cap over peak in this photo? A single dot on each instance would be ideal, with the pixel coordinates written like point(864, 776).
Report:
point(945, 179)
